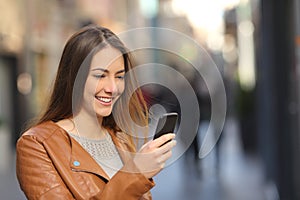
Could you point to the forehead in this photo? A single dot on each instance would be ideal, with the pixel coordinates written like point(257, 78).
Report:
point(107, 58)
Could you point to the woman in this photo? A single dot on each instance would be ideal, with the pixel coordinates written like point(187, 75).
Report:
point(78, 148)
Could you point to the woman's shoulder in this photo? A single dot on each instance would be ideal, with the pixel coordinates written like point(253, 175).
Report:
point(43, 131)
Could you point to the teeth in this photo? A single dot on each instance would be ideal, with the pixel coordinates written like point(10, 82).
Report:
point(106, 100)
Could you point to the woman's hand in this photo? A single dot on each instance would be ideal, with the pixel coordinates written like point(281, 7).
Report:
point(151, 158)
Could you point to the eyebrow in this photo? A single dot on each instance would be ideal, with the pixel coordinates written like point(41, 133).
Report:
point(106, 71)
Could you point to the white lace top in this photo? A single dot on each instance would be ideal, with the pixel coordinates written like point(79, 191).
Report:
point(103, 151)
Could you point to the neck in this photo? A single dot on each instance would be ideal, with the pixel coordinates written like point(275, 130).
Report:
point(88, 126)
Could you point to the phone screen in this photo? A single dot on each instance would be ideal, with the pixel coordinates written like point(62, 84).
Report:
point(166, 124)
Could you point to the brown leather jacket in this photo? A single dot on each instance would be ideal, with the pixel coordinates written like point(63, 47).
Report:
point(52, 165)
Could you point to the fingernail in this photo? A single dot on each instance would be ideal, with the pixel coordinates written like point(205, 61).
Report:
point(175, 142)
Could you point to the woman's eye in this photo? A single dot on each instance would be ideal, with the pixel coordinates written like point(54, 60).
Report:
point(99, 75)
point(120, 77)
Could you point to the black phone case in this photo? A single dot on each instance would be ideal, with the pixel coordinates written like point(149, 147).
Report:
point(166, 124)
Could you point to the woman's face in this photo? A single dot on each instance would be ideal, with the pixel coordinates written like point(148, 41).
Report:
point(105, 82)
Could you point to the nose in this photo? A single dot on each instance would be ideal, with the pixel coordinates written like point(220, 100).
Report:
point(110, 86)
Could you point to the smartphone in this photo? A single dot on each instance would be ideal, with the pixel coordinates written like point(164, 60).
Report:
point(166, 124)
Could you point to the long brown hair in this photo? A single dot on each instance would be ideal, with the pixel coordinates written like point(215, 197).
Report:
point(76, 58)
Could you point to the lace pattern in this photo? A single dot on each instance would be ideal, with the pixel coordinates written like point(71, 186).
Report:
point(98, 148)
point(103, 151)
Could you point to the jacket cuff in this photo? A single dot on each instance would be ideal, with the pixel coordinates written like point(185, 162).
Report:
point(136, 183)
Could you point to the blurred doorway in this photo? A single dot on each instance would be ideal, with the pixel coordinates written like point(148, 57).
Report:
point(8, 99)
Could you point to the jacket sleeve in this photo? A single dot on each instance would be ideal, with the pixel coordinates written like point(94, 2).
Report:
point(36, 174)
point(128, 185)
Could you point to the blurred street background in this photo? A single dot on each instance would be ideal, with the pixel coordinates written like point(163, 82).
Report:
point(254, 43)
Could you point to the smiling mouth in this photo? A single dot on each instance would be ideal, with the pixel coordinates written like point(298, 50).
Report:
point(105, 99)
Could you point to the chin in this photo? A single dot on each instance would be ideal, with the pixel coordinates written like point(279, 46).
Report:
point(104, 113)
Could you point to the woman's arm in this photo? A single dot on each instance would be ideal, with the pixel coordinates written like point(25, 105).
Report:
point(127, 185)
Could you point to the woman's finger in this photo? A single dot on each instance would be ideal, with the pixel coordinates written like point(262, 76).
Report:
point(166, 147)
point(163, 139)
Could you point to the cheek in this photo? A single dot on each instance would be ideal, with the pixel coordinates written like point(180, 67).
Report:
point(89, 89)
point(121, 87)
